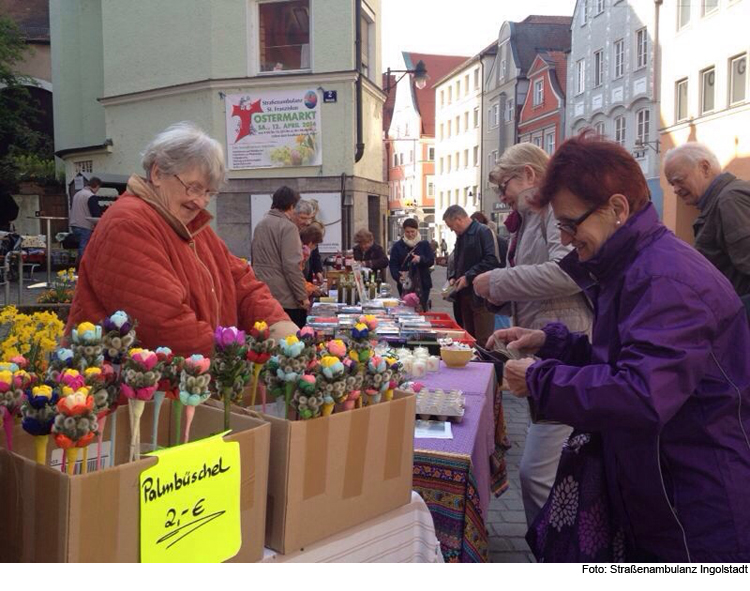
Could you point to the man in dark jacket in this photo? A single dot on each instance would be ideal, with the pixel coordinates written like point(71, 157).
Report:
point(411, 259)
point(474, 254)
point(722, 229)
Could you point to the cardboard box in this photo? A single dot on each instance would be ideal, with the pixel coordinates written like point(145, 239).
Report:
point(48, 516)
point(332, 473)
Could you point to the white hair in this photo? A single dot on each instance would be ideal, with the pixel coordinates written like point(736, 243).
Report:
point(695, 153)
point(183, 146)
point(304, 207)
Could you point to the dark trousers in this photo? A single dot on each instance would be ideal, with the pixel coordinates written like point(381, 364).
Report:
point(476, 319)
point(298, 316)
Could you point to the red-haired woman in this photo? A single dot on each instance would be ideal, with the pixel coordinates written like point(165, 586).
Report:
point(665, 378)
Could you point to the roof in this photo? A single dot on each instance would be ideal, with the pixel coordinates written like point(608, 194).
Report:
point(437, 67)
point(539, 33)
point(32, 16)
point(491, 49)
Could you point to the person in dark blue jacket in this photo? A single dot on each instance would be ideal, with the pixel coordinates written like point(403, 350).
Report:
point(411, 259)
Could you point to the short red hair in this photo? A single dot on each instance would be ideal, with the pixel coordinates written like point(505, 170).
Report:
point(594, 169)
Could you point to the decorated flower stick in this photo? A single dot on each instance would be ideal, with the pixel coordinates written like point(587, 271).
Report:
point(139, 379)
point(376, 379)
point(361, 349)
point(258, 353)
point(86, 343)
point(101, 382)
point(13, 382)
point(230, 368)
point(75, 425)
point(308, 401)
point(170, 367)
point(394, 366)
point(194, 380)
point(60, 360)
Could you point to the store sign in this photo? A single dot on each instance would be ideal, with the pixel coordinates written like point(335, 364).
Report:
point(190, 503)
point(273, 129)
point(330, 96)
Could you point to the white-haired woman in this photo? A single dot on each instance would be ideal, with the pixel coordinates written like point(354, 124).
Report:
point(536, 291)
point(155, 256)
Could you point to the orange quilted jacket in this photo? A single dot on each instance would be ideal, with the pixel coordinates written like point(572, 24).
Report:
point(178, 282)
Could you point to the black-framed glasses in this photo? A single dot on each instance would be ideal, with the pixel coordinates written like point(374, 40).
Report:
point(500, 188)
point(571, 226)
point(195, 190)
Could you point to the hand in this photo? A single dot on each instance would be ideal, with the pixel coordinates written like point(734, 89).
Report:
point(514, 375)
point(482, 285)
point(523, 340)
point(461, 283)
point(451, 281)
point(415, 258)
point(305, 304)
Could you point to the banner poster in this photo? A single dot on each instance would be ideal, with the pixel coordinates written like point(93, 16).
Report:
point(273, 129)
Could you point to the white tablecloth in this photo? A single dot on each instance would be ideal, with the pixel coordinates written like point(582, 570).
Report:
point(406, 534)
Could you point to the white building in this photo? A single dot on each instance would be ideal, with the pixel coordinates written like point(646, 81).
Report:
point(458, 138)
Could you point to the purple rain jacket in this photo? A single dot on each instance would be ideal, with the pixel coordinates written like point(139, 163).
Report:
point(666, 381)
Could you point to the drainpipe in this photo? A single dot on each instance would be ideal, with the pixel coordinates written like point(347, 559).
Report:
point(360, 146)
point(482, 155)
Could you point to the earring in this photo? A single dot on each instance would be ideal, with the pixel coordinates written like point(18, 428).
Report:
point(618, 223)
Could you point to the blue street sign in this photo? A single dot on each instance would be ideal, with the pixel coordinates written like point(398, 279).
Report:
point(330, 96)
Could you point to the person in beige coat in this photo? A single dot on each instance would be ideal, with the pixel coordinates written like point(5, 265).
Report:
point(277, 255)
point(535, 291)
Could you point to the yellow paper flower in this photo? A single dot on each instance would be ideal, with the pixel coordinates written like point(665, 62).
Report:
point(68, 391)
point(85, 327)
point(6, 376)
point(42, 390)
point(291, 340)
point(261, 326)
point(92, 371)
point(360, 326)
point(329, 360)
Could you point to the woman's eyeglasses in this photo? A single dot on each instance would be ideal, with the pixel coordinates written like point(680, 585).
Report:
point(570, 227)
point(500, 189)
point(195, 190)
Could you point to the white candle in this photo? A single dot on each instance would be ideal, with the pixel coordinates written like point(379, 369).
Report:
point(419, 369)
point(407, 362)
point(421, 352)
point(433, 363)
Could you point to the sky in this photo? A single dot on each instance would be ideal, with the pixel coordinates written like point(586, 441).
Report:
point(451, 27)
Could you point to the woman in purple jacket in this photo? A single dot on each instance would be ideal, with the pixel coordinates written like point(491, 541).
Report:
point(665, 378)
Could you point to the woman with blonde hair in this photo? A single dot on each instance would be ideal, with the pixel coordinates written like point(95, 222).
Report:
point(535, 291)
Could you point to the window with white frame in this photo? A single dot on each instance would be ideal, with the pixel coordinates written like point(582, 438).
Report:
point(737, 79)
point(580, 76)
point(395, 159)
point(476, 116)
point(476, 79)
point(476, 155)
point(458, 160)
point(367, 45)
point(84, 166)
point(509, 110)
point(496, 114)
point(618, 50)
point(455, 196)
point(449, 163)
point(503, 67)
point(466, 84)
point(458, 125)
point(708, 6)
point(620, 130)
point(442, 98)
point(442, 162)
point(466, 158)
point(599, 6)
point(681, 100)
point(431, 154)
point(598, 68)
point(442, 131)
point(401, 159)
point(584, 12)
point(494, 156)
point(641, 48)
point(549, 143)
point(430, 189)
point(538, 92)
point(466, 121)
point(537, 140)
point(458, 89)
point(450, 95)
point(441, 201)
point(449, 128)
point(284, 35)
point(708, 90)
point(599, 128)
point(683, 14)
point(643, 126)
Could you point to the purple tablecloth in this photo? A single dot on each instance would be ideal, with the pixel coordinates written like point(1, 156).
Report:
point(475, 378)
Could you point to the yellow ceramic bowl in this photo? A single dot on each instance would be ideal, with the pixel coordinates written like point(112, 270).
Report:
point(456, 357)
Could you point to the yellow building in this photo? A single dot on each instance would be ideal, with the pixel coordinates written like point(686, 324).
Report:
point(704, 89)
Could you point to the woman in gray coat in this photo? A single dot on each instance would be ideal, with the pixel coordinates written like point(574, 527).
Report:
point(535, 291)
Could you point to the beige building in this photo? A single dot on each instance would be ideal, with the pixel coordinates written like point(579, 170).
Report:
point(124, 71)
point(704, 88)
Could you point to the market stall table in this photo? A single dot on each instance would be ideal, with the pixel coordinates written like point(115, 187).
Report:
point(454, 476)
point(405, 534)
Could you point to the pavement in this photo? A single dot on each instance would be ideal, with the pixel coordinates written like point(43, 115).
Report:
point(506, 521)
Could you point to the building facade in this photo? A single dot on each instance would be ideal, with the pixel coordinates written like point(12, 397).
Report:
point(458, 126)
point(506, 85)
point(705, 95)
point(541, 120)
point(121, 80)
point(410, 141)
point(612, 74)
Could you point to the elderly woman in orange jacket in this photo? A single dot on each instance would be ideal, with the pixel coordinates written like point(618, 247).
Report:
point(155, 256)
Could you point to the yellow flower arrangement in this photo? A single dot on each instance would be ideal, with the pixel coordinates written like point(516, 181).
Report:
point(34, 336)
point(62, 290)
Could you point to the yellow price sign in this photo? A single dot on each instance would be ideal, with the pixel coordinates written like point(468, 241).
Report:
point(190, 503)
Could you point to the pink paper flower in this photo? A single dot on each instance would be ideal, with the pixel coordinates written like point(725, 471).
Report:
point(227, 336)
point(198, 363)
point(145, 358)
point(139, 394)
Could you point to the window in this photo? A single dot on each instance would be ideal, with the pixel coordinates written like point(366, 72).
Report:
point(458, 125)
point(476, 116)
point(442, 98)
point(450, 95)
point(494, 156)
point(599, 128)
point(643, 126)
point(584, 12)
point(411, 155)
point(683, 14)
point(737, 80)
point(620, 130)
point(84, 166)
point(367, 43)
point(458, 89)
point(708, 87)
point(466, 84)
point(476, 79)
point(442, 168)
point(466, 196)
point(619, 58)
point(580, 76)
point(641, 48)
point(496, 114)
point(708, 6)
point(681, 100)
point(449, 128)
point(441, 201)
point(503, 67)
point(599, 67)
point(476, 155)
point(466, 121)
point(430, 189)
point(442, 129)
point(431, 154)
point(455, 196)
point(449, 163)
point(550, 143)
point(395, 160)
point(466, 158)
point(509, 110)
point(538, 92)
point(284, 34)
point(458, 160)
point(401, 159)
point(599, 6)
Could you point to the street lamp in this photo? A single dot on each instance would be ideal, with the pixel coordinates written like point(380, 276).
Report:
point(640, 147)
point(419, 73)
